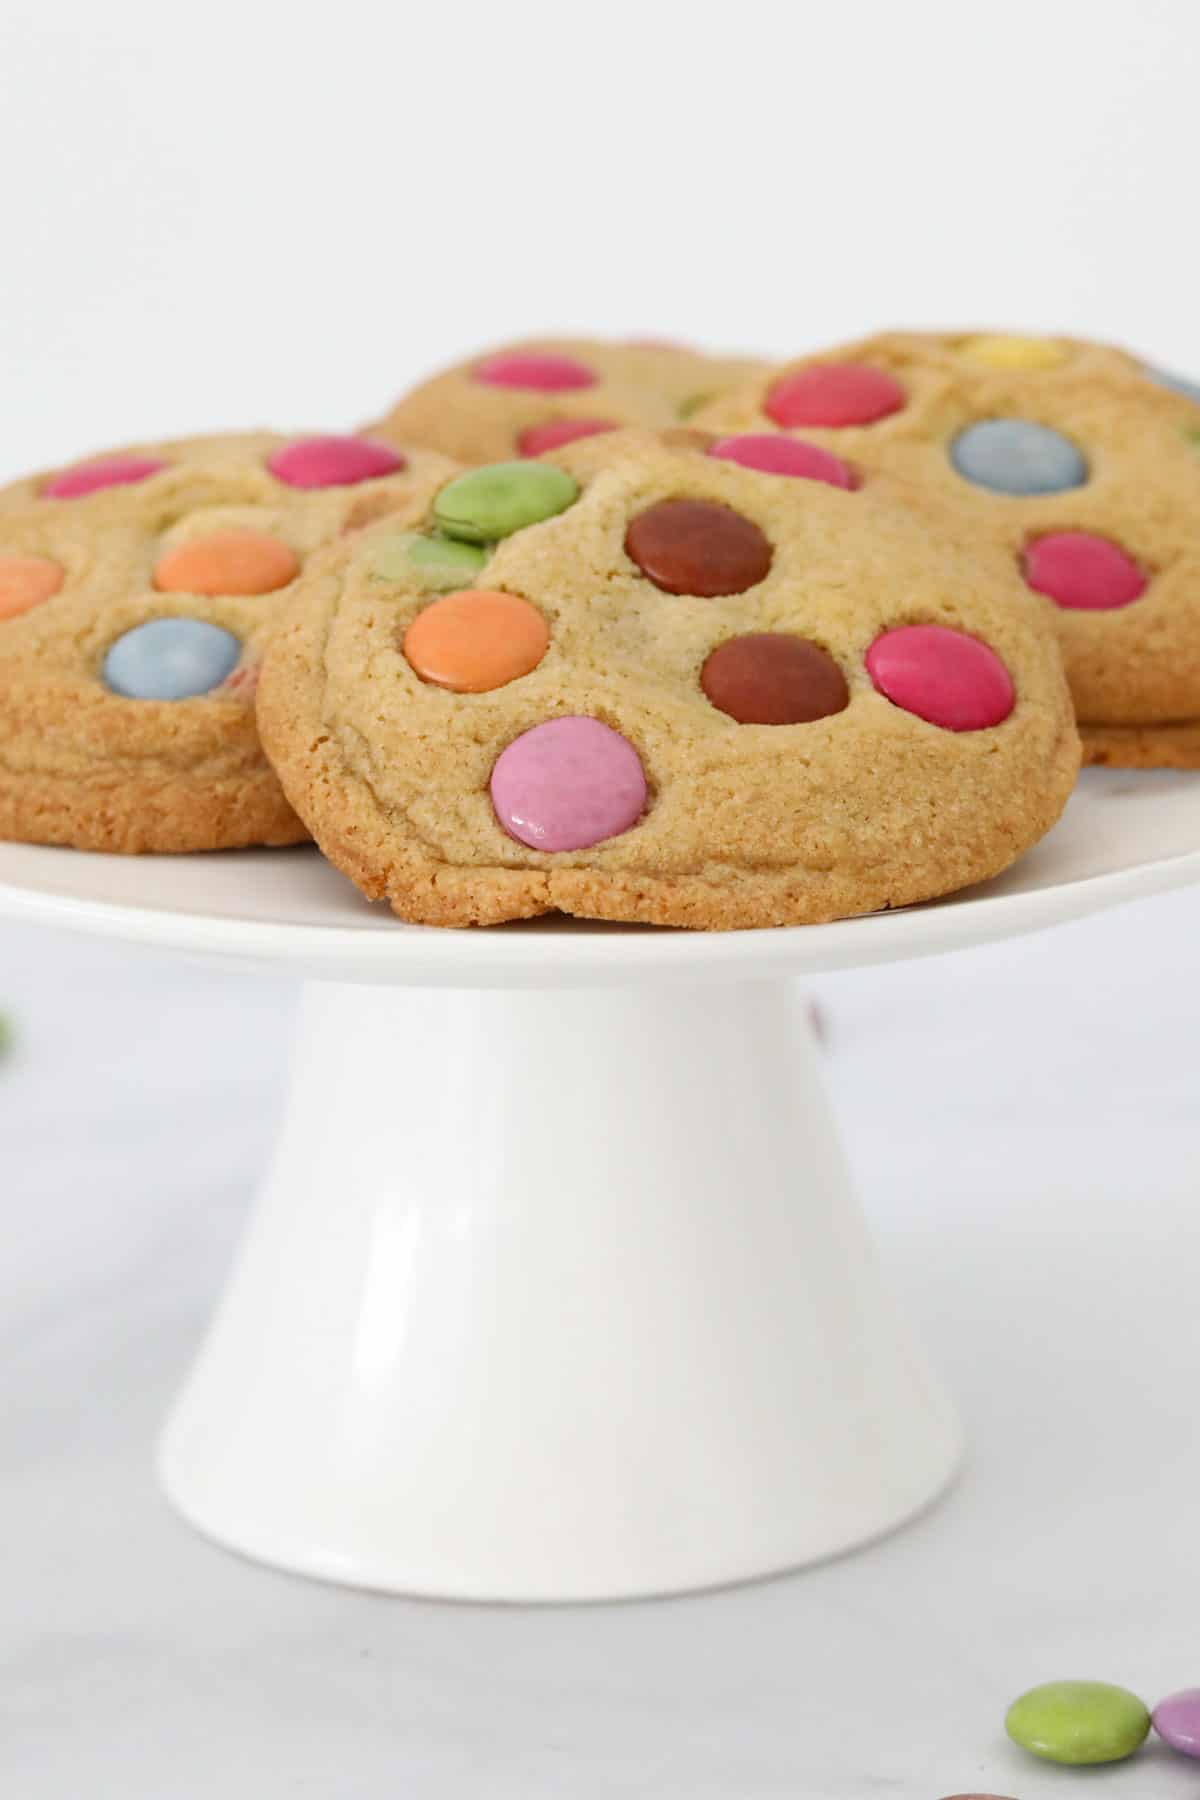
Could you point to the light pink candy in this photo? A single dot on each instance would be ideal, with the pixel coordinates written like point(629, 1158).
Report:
point(319, 462)
point(104, 472)
point(542, 371)
point(774, 454)
point(1177, 1721)
point(943, 676)
point(568, 784)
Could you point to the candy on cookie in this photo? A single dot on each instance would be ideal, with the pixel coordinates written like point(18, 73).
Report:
point(137, 590)
point(528, 399)
point(1073, 466)
point(671, 686)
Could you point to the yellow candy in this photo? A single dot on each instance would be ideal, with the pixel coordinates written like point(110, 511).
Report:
point(998, 351)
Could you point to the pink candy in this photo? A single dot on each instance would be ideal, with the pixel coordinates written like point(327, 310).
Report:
point(777, 455)
point(834, 394)
point(538, 439)
point(1083, 572)
point(104, 472)
point(542, 371)
point(320, 462)
point(1177, 1721)
point(568, 784)
point(943, 676)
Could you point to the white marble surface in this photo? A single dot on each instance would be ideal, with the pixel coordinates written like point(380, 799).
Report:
point(1023, 1121)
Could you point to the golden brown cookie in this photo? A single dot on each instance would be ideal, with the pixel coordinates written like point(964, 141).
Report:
point(1142, 746)
point(643, 682)
point(136, 593)
point(1071, 463)
point(526, 399)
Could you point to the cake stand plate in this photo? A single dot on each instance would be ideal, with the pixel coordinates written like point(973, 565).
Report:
point(556, 1288)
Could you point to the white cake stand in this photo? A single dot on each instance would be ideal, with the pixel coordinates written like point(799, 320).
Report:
point(556, 1288)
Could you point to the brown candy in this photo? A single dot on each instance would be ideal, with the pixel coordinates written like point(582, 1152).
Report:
point(698, 547)
point(774, 678)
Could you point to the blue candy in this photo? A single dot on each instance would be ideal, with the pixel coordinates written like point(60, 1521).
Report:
point(1178, 384)
point(171, 659)
point(1017, 456)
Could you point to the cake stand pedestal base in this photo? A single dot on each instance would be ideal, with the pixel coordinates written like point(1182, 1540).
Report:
point(556, 1289)
point(556, 1294)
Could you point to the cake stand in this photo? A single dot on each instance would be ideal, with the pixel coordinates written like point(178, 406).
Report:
point(556, 1288)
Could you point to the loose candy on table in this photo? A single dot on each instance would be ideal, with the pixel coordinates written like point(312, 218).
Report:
point(500, 498)
point(568, 784)
point(25, 582)
point(1083, 572)
point(476, 640)
point(171, 659)
point(102, 472)
point(774, 678)
point(698, 547)
point(1078, 1722)
point(438, 562)
point(1177, 1721)
point(834, 394)
point(1017, 456)
point(945, 677)
point(320, 462)
point(773, 454)
point(227, 562)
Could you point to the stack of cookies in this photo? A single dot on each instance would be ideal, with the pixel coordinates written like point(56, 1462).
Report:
point(625, 631)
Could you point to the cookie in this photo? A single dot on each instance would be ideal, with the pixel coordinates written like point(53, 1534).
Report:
point(137, 590)
point(648, 682)
point(1142, 746)
point(527, 399)
point(1073, 464)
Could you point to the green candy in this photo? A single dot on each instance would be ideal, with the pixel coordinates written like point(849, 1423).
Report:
point(6, 1034)
point(1078, 1722)
point(495, 501)
point(438, 562)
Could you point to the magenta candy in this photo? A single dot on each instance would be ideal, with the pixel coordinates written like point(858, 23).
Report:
point(1079, 570)
point(104, 472)
point(320, 462)
point(834, 394)
point(555, 433)
point(540, 371)
point(1177, 1721)
point(778, 455)
point(943, 676)
point(568, 784)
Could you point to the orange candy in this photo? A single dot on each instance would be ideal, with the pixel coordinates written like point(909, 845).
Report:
point(475, 640)
point(25, 581)
point(227, 562)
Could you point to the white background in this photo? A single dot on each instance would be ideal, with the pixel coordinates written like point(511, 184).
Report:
point(235, 215)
